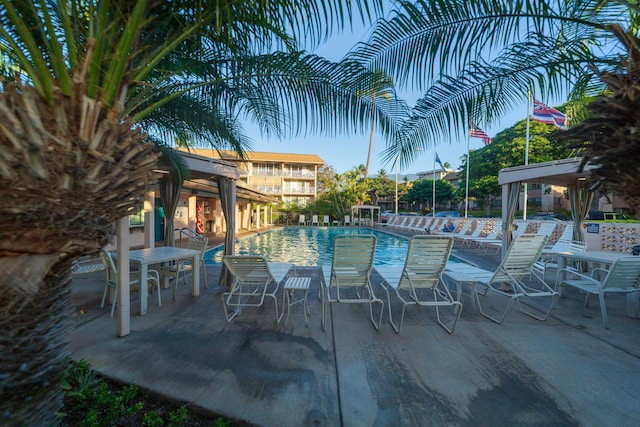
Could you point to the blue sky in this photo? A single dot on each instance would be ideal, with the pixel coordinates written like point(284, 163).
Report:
point(347, 151)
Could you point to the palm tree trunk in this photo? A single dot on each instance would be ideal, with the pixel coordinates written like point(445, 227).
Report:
point(33, 322)
point(68, 171)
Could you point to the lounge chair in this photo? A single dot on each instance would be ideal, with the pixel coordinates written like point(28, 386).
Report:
point(517, 265)
point(622, 277)
point(348, 279)
point(347, 220)
point(467, 239)
point(325, 220)
point(420, 282)
point(302, 220)
point(111, 284)
point(253, 281)
point(314, 220)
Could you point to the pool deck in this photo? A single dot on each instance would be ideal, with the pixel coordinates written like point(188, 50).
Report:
point(568, 370)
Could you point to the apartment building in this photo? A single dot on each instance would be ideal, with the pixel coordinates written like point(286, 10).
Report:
point(291, 178)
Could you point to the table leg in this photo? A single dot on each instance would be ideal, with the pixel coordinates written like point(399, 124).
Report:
point(196, 276)
point(144, 288)
point(561, 275)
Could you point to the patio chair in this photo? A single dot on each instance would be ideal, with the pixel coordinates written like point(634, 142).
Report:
point(184, 265)
point(549, 259)
point(253, 281)
point(302, 220)
point(134, 280)
point(347, 220)
point(420, 280)
point(622, 277)
point(348, 280)
point(325, 220)
point(515, 266)
point(314, 220)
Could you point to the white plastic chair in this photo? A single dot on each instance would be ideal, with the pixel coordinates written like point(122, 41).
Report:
point(184, 265)
point(325, 220)
point(314, 220)
point(301, 220)
point(622, 277)
point(134, 280)
point(420, 280)
point(347, 220)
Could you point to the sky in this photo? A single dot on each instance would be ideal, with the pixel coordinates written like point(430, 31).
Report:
point(347, 151)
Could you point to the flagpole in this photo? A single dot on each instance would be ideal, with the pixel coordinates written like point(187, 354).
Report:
point(433, 210)
point(397, 158)
point(526, 156)
point(466, 191)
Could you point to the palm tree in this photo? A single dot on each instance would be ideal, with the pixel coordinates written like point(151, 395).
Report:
point(477, 59)
point(82, 84)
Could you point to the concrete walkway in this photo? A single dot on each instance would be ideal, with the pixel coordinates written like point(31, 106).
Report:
point(567, 370)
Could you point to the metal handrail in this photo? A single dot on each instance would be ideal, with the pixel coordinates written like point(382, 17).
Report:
point(189, 233)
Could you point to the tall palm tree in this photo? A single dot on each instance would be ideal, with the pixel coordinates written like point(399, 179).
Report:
point(83, 82)
point(477, 59)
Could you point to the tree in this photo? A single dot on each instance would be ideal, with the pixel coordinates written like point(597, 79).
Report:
point(422, 192)
point(508, 149)
point(579, 47)
point(82, 83)
point(326, 179)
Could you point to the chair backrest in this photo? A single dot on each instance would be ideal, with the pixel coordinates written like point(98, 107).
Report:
point(199, 244)
point(301, 219)
point(567, 233)
point(546, 228)
point(426, 259)
point(624, 273)
point(347, 219)
point(249, 269)
point(420, 224)
point(352, 260)
point(107, 260)
point(522, 254)
point(479, 227)
point(314, 219)
point(325, 219)
point(569, 246)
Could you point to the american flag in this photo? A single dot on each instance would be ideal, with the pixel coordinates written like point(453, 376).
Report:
point(479, 133)
point(545, 114)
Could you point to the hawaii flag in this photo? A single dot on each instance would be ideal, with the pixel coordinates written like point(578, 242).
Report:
point(475, 132)
point(545, 114)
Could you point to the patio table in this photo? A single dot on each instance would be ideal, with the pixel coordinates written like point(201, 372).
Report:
point(145, 257)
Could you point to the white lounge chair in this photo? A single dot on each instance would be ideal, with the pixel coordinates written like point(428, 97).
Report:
point(420, 282)
point(325, 220)
point(111, 284)
point(253, 281)
point(348, 279)
point(517, 264)
point(622, 277)
point(314, 220)
point(302, 220)
point(347, 220)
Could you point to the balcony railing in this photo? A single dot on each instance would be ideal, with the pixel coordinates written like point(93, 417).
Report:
point(299, 190)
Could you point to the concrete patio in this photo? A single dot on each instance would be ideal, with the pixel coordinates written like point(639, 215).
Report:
point(568, 370)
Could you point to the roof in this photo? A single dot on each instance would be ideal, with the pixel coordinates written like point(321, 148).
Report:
point(564, 172)
point(259, 156)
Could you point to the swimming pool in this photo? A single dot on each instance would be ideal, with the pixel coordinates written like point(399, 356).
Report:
point(312, 246)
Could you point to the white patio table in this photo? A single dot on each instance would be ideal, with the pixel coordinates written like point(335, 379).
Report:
point(145, 257)
point(598, 257)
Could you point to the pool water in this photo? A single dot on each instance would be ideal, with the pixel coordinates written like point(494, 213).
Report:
point(312, 246)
